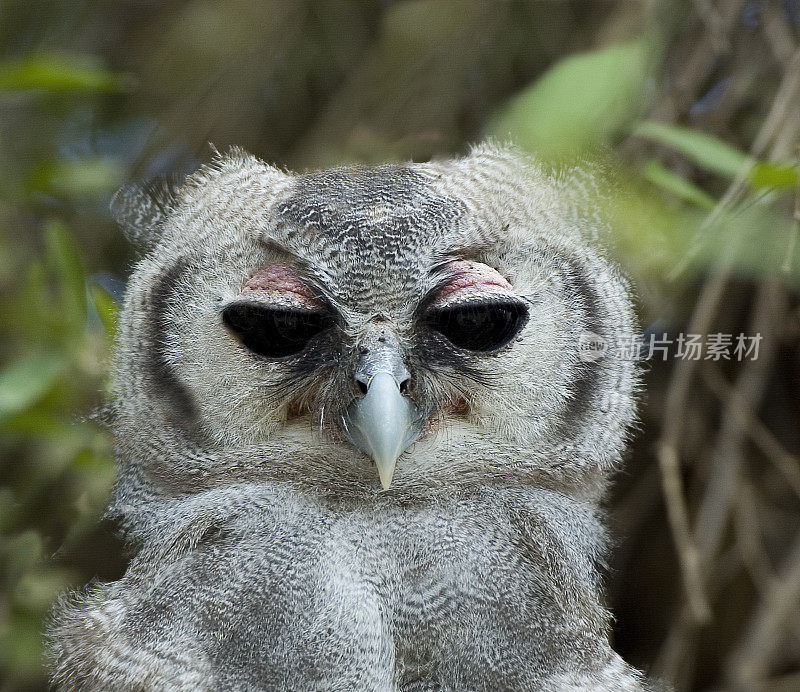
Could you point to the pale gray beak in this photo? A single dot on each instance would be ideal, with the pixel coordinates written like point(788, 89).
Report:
point(383, 423)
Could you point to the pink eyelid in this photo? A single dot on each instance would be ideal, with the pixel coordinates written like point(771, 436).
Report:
point(280, 280)
point(471, 277)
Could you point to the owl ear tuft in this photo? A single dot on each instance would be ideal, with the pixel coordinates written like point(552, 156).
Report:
point(141, 211)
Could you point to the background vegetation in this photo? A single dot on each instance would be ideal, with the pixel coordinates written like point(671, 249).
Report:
point(690, 111)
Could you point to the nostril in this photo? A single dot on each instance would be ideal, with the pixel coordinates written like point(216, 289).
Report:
point(362, 386)
point(404, 385)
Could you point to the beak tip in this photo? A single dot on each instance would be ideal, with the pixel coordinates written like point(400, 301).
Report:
point(386, 473)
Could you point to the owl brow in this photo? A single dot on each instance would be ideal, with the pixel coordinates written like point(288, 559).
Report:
point(292, 255)
point(313, 279)
point(474, 251)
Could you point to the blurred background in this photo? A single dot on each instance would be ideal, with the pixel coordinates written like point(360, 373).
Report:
point(687, 111)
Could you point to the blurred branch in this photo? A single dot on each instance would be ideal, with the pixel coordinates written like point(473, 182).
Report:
point(700, 323)
point(748, 538)
point(698, 58)
point(778, 33)
point(784, 683)
point(748, 664)
point(678, 516)
point(727, 458)
point(717, 26)
point(751, 548)
point(770, 447)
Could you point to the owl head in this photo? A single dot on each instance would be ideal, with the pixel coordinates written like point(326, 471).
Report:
point(398, 330)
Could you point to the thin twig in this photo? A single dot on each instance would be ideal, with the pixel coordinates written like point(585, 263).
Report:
point(784, 683)
point(680, 384)
point(678, 516)
point(768, 445)
point(726, 461)
point(749, 663)
point(768, 311)
point(748, 538)
point(717, 29)
point(778, 33)
point(747, 526)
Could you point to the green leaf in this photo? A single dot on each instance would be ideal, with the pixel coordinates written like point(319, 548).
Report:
point(676, 184)
point(106, 309)
point(32, 321)
point(577, 104)
point(83, 178)
point(65, 260)
point(24, 382)
point(774, 175)
point(60, 74)
point(37, 589)
point(21, 646)
point(706, 151)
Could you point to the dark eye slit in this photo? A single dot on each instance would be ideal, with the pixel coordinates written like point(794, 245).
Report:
point(274, 332)
point(481, 326)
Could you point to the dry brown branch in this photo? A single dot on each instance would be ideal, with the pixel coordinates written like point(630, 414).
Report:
point(748, 538)
point(712, 43)
point(748, 665)
point(725, 467)
point(785, 683)
point(717, 26)
point(678, 515)
point(779, 33)
point(747, 525)
point(768, 445)
point(684, 628)
point(700, 322)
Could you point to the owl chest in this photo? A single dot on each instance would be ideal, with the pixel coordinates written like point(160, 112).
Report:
point(381, 603)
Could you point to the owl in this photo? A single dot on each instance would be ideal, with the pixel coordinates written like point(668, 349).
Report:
point(360, 444)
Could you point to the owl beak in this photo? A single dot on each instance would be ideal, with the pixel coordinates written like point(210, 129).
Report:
point(383, 424)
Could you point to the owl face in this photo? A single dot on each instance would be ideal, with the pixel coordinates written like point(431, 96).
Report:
point(401, 317)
